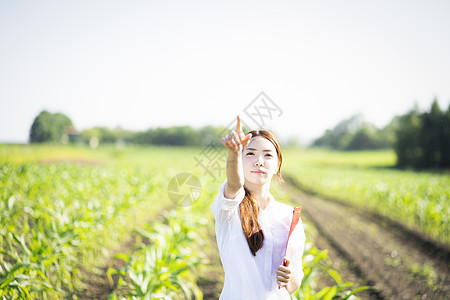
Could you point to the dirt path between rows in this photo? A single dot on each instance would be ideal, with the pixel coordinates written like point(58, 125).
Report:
point(96, 284)
point(363, 248)
point(370, 250)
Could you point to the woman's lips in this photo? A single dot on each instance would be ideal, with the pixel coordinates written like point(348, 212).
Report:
point(258, 172)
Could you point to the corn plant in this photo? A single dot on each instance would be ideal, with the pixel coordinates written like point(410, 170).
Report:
point(419, 200)
point(163, 268)
point(57, 219)
point(316, 265)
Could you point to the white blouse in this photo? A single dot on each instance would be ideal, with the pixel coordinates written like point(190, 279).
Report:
point(253, 277)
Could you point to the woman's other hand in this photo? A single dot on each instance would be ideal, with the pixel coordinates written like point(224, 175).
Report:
point(286, 277)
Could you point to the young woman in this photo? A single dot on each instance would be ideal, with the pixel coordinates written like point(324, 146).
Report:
point(252, 228)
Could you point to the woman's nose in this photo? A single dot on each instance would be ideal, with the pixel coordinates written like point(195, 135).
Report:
point(259, 161)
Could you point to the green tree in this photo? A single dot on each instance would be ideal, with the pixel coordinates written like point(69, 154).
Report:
point(143, 137)
point(423, 139)
point(407, 145)
point(91, 133)
point(446, 139)
point(340, 136)
point(364, 138)
point(356, 134)
point(386, 136)
point(431, 136)
point(48, 127)
point(176, 136)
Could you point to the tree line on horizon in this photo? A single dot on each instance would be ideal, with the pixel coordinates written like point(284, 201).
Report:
point(423, 139)
point(420, 139)
point(355, 133)
point(58, 128)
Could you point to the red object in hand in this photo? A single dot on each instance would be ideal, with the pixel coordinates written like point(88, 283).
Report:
point(294, 222)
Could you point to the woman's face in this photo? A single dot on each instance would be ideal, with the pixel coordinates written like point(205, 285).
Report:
point(260, 160)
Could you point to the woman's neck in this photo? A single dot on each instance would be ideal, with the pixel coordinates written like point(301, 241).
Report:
point(260, 192)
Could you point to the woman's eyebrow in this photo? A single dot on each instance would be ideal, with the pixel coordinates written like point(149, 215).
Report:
point(253, 149)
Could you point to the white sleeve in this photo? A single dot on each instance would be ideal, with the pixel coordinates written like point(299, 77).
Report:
point(223, 207)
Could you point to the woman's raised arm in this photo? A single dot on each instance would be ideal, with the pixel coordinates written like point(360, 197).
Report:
point(235, 142)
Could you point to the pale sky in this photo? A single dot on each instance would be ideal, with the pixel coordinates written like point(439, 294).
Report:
point(144, 64)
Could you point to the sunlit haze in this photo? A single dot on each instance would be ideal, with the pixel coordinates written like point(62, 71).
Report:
point(146, 64)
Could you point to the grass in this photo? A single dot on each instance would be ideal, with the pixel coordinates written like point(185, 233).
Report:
point(64, 208)
point(418, 200)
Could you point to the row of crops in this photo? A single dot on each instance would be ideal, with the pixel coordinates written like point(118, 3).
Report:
point(167, 267)
point(64, 211)
point(59, 219)
point(418, 200)
point(165, 260)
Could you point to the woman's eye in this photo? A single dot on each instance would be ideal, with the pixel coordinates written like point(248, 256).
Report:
point(250, 153)
point(270, 155)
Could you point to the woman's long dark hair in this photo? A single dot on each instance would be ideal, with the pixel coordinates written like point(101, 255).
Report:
point(249, 207)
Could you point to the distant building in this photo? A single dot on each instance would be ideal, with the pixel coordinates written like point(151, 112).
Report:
point(71, 135)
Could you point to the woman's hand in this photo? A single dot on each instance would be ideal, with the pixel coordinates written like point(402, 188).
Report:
point(287, 277)
point(235, 141)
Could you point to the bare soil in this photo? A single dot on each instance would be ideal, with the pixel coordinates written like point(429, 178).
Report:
point(364, 248)
point(211, 278)
point(97, 285)
point(73, 160)
point(372, 250)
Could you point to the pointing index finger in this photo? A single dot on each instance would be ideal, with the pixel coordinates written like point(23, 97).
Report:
point(238, 128)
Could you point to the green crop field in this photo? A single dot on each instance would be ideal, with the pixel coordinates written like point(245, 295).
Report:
point(64, 211)
point(418, 200)
point(63, 208)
